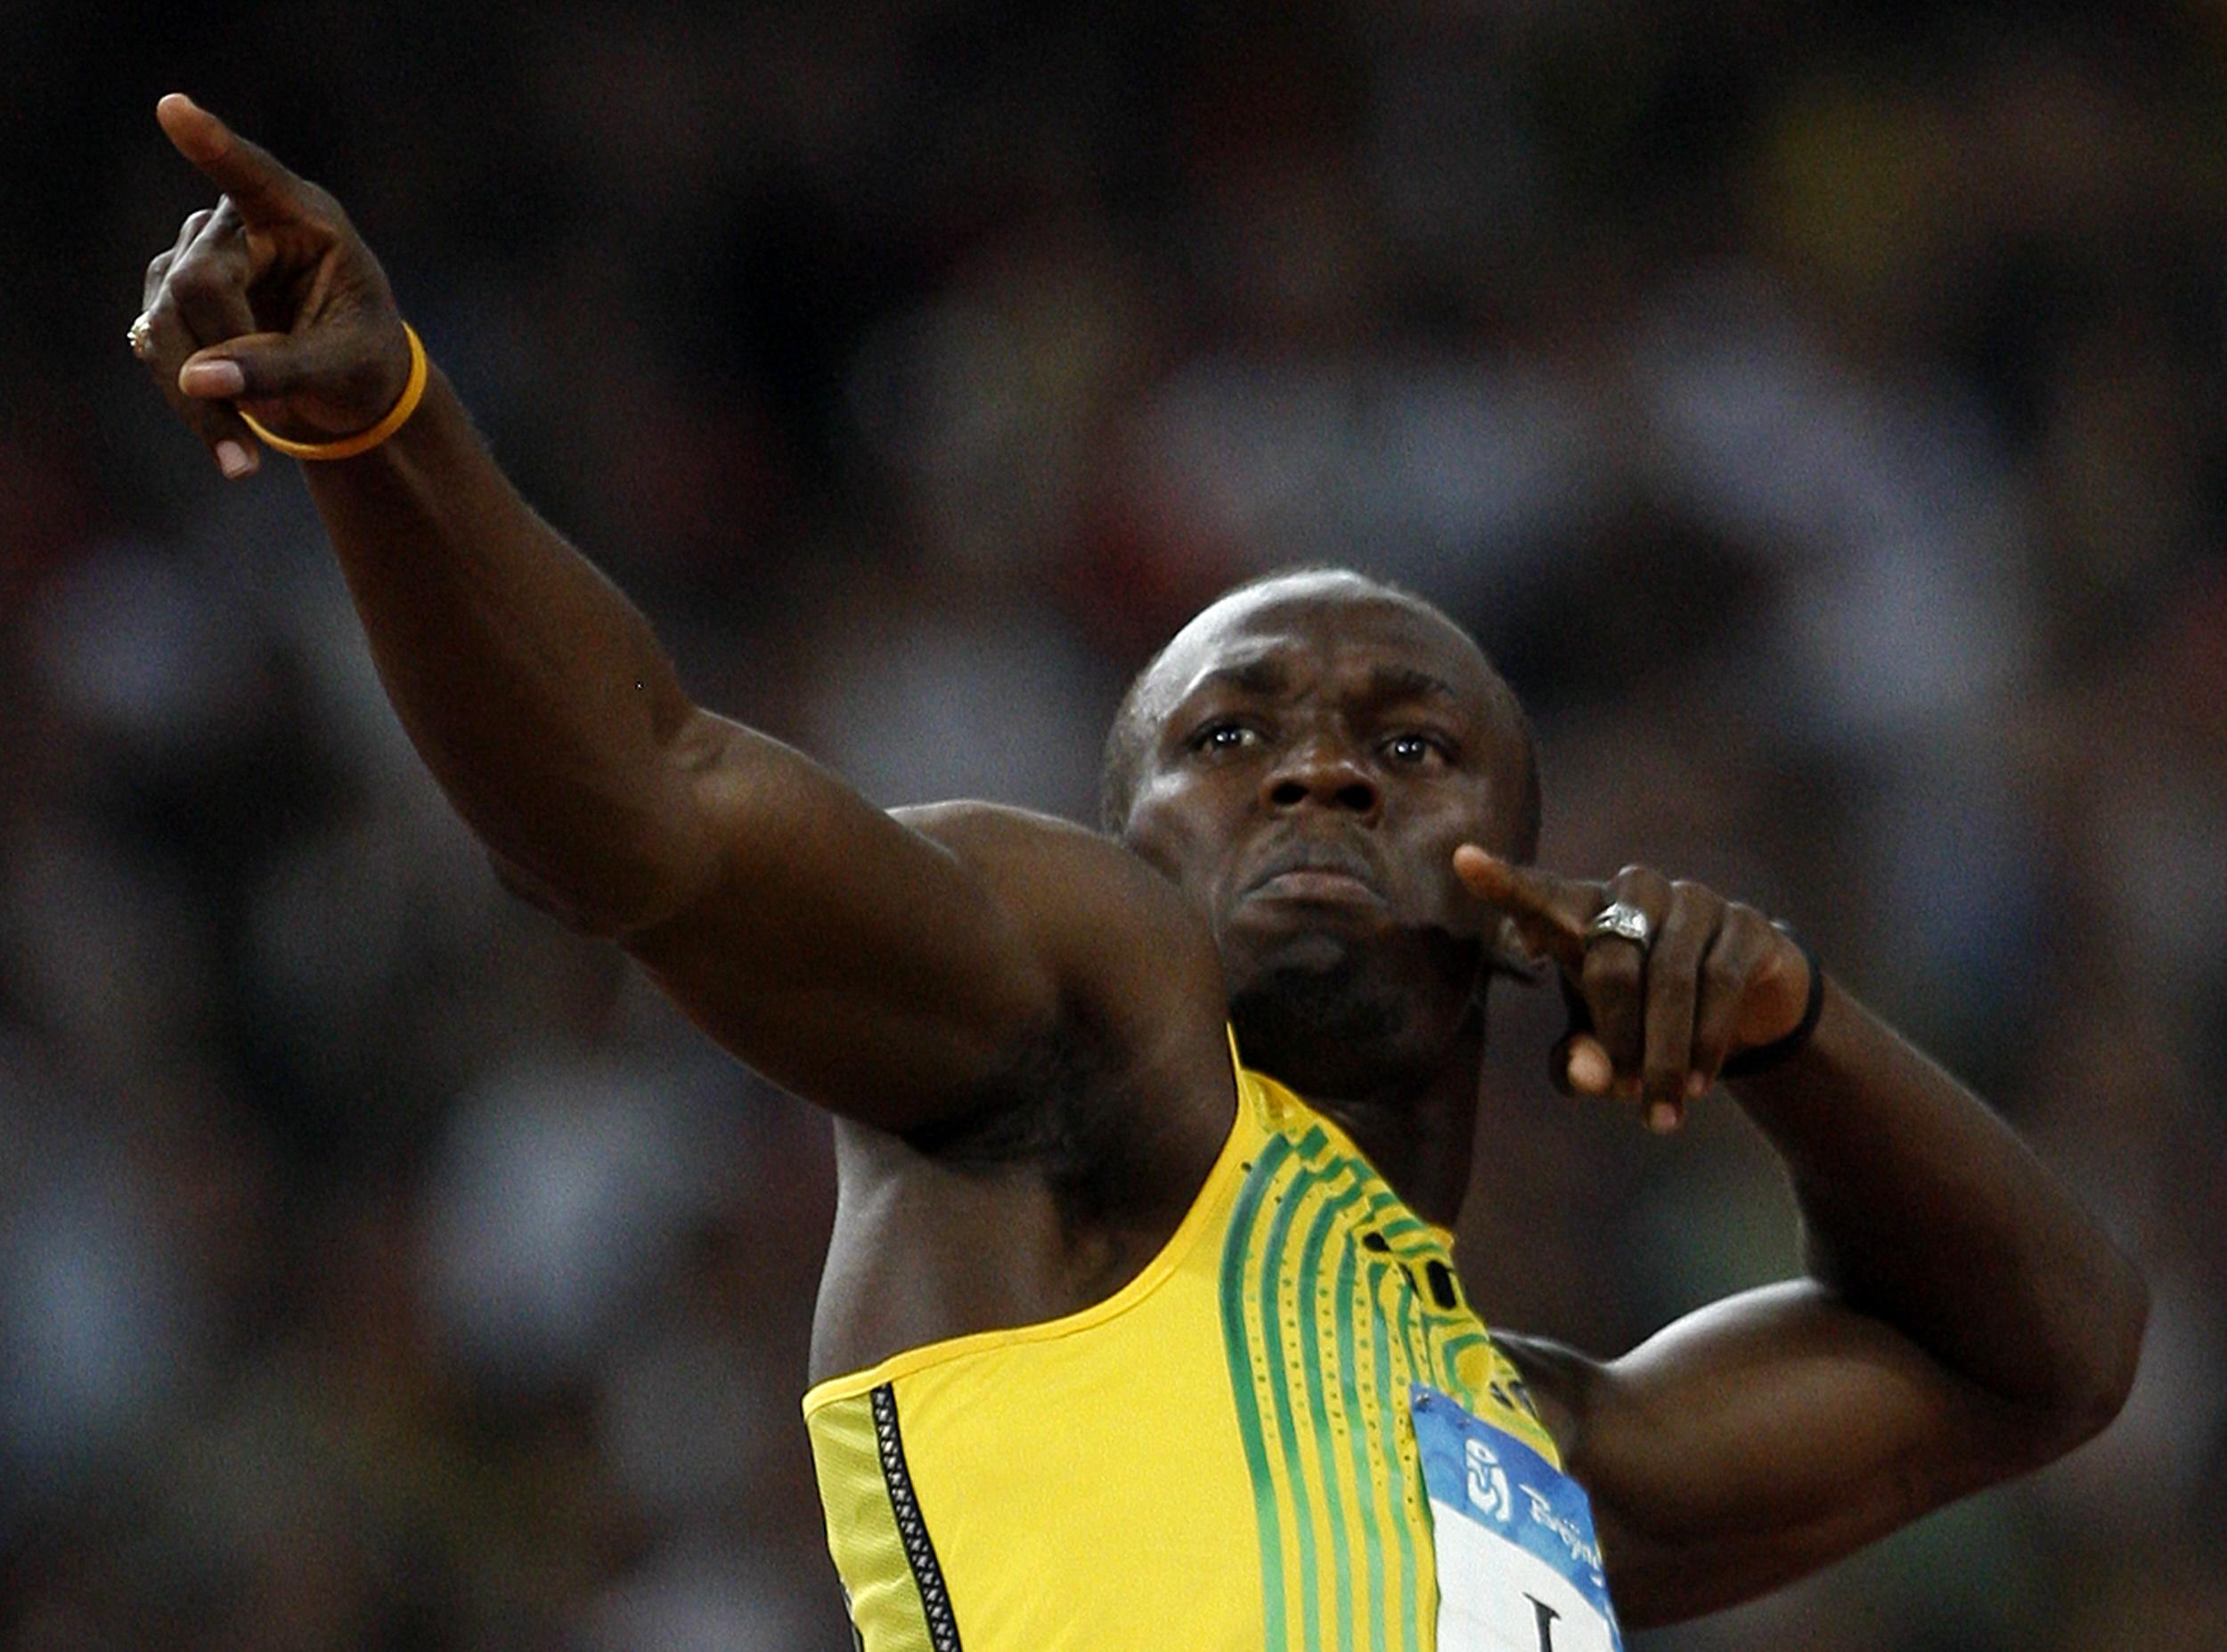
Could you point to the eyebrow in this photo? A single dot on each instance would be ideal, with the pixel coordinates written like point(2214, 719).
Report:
point(1407, 682)
point(1263, 674)
point(1267, 675)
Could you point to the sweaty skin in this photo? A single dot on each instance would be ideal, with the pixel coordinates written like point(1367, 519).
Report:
point(1018, 1024)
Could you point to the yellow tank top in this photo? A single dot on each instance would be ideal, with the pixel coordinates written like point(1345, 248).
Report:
point(1219, 1456)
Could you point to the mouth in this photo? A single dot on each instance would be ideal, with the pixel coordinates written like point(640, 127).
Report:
point(1323, 875)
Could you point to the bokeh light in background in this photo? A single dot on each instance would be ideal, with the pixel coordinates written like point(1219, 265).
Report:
point(1813, 408)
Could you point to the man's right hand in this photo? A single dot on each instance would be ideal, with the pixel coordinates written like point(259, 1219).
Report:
point(271, 299)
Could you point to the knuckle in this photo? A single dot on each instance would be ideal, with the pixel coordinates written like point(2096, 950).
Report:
point(1623, 1042)
point(1611, 969)
point(162, 333)
point(1673, 985)
point(1621, 1054)
point(195, 276)
point(1684, 932)
point(1669, 1034)
point(1668, 1059)
point(1636, 878)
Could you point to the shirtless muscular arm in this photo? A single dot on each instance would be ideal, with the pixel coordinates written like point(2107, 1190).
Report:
point(1961, 1319)
point(886, 967)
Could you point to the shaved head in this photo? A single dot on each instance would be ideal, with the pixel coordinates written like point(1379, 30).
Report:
point(1156, 688)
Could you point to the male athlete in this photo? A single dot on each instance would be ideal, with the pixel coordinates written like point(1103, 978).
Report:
point(1132, 1336)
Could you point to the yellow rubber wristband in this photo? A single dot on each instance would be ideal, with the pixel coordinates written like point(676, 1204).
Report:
point(362, 441)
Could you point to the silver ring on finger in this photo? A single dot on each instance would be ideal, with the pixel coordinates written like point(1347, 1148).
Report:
point(142, 336)
point(1622, 921)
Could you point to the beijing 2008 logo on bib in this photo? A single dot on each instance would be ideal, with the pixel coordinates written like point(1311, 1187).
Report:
point(1518, 1568)
point(1488, 1482)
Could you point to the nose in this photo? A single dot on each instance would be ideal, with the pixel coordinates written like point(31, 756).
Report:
point(1323, 773)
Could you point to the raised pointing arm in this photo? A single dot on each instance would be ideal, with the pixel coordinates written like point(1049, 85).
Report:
point(1963, 1319)
point(885, 968)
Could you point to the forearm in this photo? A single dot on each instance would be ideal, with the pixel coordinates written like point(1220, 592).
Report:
point(534, 690)
point(1923, 1209)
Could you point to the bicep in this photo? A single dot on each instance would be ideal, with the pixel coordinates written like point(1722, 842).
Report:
point(888, 967)
point(1760, 1438)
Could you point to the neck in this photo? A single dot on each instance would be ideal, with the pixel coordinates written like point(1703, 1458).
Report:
point(1396, 1062)
point(1420, 1134)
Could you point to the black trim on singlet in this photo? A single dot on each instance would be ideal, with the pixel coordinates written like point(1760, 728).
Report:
point(912, 1528)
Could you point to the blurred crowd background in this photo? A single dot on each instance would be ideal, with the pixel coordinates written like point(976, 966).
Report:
point(1812, 408)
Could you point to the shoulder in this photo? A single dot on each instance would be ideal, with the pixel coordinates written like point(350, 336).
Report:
point(1105, 915)
point(1142, 1008)
point(1001, 836)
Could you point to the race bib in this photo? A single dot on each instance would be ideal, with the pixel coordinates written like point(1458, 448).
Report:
point(1518, 1570)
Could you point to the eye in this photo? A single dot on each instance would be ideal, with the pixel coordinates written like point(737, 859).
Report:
point(1414, 749)
point(1221, 738)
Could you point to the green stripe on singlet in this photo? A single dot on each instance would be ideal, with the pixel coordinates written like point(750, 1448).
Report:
point(1441, 1369)
point(1410, 1580)
point(1312, 1335)
point(1457, 1345)
point(1263, 1225)
point(1236, 1249)
point(1361, 1424)
point(1383, 1423)
point(1448, 1338)
point(1272, 1341)
point(1356, 1417)
point(1418, 1353)
point(1416, 1338)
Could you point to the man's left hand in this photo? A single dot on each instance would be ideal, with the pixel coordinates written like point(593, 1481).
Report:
point(1667, 979)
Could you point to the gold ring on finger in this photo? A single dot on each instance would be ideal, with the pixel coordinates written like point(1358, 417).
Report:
point(1623, 920)
point(141, 335)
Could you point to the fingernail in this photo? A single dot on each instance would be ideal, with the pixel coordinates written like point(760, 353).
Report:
point(1589, 1073)
point(1696, 1085)
point(1662, 1118)
point(212, 378)
point(234, 459)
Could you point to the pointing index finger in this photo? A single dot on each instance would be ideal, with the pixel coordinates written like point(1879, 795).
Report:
point(1550, 912)
point(263, 191)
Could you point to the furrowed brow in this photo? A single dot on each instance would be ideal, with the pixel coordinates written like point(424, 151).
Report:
point(1260, 676)
point(1407, 682)
point(1264, 675)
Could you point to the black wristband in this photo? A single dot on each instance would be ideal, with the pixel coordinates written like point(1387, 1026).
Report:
point(1766, 1057)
